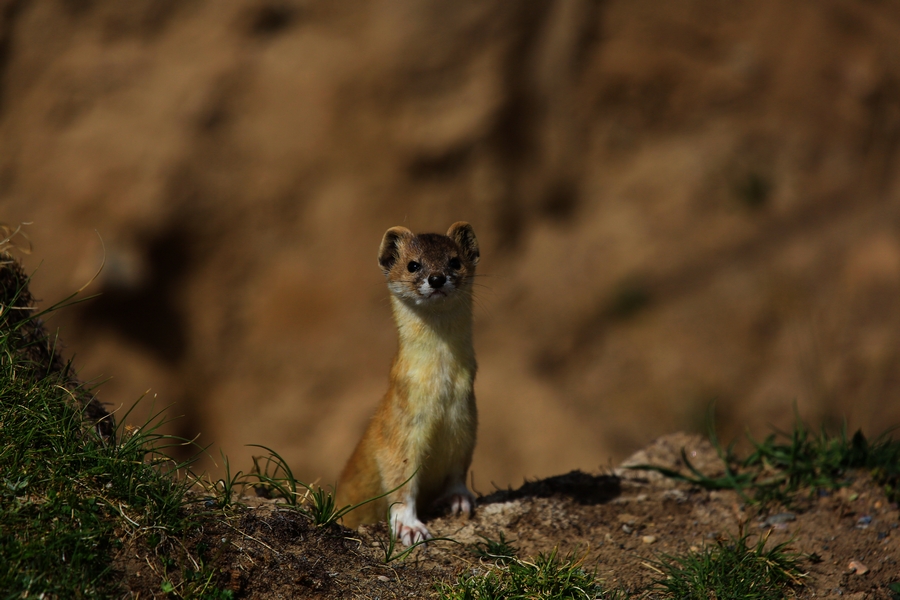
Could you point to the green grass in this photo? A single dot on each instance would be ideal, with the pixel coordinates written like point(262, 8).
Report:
point(894, 589)
point(502, 575)
point(69, 497)
point(274, 477)
point(732, 569)
point(785, 465)
point(803, 460)
point(500, 551)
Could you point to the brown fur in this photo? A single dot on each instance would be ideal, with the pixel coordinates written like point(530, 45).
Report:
point(424, 428)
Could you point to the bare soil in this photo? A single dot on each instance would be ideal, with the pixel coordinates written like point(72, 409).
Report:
point(618, 521)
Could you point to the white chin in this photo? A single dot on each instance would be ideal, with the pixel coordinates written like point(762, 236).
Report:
point(432, 298)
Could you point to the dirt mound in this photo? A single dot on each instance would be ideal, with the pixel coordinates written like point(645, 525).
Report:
point(619, 523)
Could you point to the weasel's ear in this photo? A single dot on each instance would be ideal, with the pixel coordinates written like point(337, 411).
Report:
point(464, 236)
point(389, 251)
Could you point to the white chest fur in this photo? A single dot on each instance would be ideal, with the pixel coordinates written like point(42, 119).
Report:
point(436, 366)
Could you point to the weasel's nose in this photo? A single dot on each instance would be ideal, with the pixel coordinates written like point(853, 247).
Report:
point(436, 281)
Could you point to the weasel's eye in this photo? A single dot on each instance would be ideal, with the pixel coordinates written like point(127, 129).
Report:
point(455, 264)
point(413, 266)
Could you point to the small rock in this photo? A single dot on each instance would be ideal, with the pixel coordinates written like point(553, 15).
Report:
point(627, 519)
point(648, 539)
point(677, 495)
point(863, 522)
point(779, 520)
point(384, 578)
point(627, 528)
point(858, 568)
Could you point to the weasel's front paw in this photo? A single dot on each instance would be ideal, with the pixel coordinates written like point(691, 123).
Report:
point(412, 533)
point(407, 527)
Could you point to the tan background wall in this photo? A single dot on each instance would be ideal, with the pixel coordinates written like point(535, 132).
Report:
point(677, 202)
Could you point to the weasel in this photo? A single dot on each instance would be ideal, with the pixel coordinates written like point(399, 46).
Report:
point(423, 432)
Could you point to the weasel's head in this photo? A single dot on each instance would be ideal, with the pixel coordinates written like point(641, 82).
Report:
point(429, 269)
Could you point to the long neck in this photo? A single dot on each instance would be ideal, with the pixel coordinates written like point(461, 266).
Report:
point(435, 332)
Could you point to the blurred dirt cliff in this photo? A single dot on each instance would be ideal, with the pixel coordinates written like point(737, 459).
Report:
point(676, 202)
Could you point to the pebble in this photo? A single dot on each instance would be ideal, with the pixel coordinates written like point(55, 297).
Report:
point(858, 568)
point(779, 519)
point(627, 519)
point(384, 578)
point(648, 539)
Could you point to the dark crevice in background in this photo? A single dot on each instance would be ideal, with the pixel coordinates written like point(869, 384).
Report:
point(444, 165)
point(8, 16)
point(146, 19)
point(270, 19)
point(148, 314)
point(560, 201)
point(591, 35)
point(882, 138)
point(77, 8)
point(513, 135)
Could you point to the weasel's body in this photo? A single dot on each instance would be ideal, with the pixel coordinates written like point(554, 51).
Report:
point(424, 429)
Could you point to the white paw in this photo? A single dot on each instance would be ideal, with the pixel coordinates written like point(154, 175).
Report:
point(407, 527)
point(412, 534)
point(462, 503)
